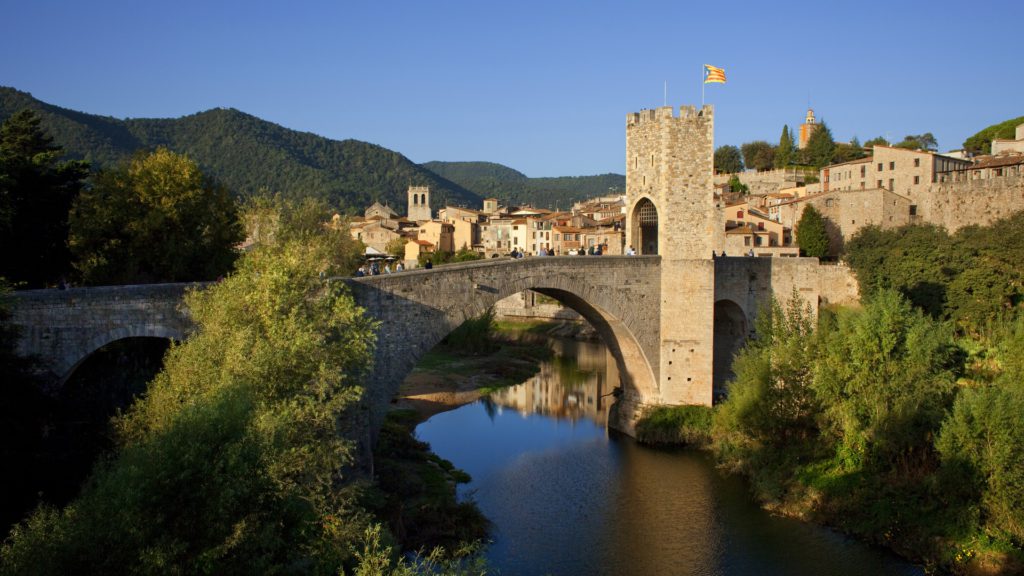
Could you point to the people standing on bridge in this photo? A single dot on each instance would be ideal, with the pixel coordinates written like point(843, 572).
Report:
point(429, 264)
point(631, 252)
point(399, 267)
point(361, 271)
point(387, 268)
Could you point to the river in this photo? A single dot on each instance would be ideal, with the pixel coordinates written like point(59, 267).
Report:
point(567, 496)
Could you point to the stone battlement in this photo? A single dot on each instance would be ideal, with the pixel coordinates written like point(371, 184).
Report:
point(667, 113)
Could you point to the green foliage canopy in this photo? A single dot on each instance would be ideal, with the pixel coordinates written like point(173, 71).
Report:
point(157, 218)
point(36, 192)
point(981, 142)
point(811, 234)
point(758, 155)
point(785, 151)
point(728, 160)
point(232, 462)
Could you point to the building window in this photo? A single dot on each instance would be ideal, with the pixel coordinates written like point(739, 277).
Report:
point(746, 240)
point(757, 240)
point(879, 184)
point(863, 171)
point(760, 225)
point(739, 214)
point(892, 165)
point(917, 179)
point(917, 162)
point(913, 210)
point(890, 184)
point(828, 203)
point(879, 166)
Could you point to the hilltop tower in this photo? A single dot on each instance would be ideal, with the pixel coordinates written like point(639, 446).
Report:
point(672, 214)
point(807, 128)
point(419, 203)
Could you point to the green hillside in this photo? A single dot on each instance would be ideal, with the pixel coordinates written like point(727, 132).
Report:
point(247, 154)
point(488, 179)
point(981, 143)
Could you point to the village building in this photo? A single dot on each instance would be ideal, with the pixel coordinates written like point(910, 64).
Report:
point(751, 231)
point(419, 203)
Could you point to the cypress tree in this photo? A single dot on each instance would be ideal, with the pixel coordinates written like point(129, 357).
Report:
point(784, 152)
point(811, 235)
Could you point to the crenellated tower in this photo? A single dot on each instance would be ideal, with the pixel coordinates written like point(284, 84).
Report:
point(672, 214)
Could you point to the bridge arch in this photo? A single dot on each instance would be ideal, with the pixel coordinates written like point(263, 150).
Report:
point(731, 328)
point(75, 357)
point(643, 220)
point(417, 309)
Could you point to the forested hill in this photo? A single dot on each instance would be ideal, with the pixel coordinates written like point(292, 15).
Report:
point(494, 180)
point(247, 154)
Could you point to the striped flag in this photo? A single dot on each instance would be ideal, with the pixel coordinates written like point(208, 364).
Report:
point(713, 74)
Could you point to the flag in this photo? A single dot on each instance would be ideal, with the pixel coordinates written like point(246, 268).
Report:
point(713, 74)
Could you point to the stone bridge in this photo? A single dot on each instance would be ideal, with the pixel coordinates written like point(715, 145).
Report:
point(621, 296)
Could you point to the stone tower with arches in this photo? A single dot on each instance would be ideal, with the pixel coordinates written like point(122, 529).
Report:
point(672, 214)
point(419, 204)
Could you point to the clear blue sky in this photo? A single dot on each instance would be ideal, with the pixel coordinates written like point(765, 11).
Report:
point(543, 87)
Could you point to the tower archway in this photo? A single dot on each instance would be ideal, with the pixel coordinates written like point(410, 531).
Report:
point(730, 334)
point(644, 226)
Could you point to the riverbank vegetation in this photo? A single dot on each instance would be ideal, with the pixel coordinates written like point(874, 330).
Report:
point(899, 421)
point(243, 455)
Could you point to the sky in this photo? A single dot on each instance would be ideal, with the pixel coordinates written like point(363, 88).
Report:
point(543, 87)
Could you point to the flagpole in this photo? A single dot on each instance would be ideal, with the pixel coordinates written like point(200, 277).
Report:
point(702, 87)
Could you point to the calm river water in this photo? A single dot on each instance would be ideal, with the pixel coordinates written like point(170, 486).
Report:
point(569, 497)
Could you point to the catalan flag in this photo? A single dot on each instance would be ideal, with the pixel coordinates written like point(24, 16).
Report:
point(713, 74)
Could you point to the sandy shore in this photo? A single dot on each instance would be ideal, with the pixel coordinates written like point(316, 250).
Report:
point(429, 393)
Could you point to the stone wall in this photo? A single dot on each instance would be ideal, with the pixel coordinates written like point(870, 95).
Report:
point(762, 183)
point(958, 204)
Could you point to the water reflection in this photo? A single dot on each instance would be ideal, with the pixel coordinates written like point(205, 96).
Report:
point(568, 497)
point(576, 383)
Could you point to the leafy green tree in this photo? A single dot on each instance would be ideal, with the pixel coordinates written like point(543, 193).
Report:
point(981, 143)
point(924, 141)
point(728, 160)
point(758, 155)
point(785, 151)
point(820, 147)
point(846, 152)
point(811, 234)
point(771, 402)
point(157, 218)
point(396, 247)
point(919, 261)
point(876, 141)
point(885, 377)
point(235, 460)
point(737, 186)
point(36, 192)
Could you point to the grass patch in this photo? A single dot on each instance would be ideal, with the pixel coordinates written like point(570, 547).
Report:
point(676, 425)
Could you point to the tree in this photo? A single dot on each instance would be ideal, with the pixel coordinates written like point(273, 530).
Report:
point(876, 141)
point(784, 152)
point(845, 152)
point(237, 459)
point(981, 143)
point(758, 155)
point(157, 218)
point(811, 235)
point(36, 192)
point(820, 147)
point(924, 141)
point(737, 186)
point(728, 160)
point(396, 247)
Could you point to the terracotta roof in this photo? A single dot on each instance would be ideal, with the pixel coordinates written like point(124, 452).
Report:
point(997, 161)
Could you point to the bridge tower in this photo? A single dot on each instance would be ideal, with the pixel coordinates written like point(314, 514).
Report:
point(672, 213)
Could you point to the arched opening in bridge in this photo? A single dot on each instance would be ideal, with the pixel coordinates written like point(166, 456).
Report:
point(730, 334)
point(105, 382)
point(644, 226)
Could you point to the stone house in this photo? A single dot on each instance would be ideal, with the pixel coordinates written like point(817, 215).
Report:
point(440, 234)
point(375, 233)
point(747, 228)
point(566, 238)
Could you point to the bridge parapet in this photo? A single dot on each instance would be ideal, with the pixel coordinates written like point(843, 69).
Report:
point(63, 327)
